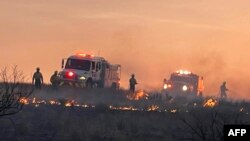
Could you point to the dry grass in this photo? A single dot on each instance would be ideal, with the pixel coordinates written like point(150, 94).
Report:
point(59, 123)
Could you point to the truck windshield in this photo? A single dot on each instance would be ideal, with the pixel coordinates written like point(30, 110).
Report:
point(180, 78)
point(78, 64)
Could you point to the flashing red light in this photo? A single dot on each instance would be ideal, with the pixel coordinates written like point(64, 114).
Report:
point(70, 74)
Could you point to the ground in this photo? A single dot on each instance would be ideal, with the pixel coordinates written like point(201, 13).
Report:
point(108, 115)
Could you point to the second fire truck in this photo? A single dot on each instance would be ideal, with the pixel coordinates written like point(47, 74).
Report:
point(185, 83)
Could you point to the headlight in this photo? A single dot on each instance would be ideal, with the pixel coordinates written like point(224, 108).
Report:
point(82, 78)
point(184, 88)
point(165, 86)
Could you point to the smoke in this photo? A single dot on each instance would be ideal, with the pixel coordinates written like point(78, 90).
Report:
point(150, 40)
point(212, 66)
point(153, 58)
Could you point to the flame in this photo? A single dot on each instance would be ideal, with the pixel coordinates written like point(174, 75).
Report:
point(54, 102)
point(77, 105)
point(85, 106)
point(138, 95)
point(34, 100)
point(129, 108)
point(242, 109)
point(153, 108)
point(173, 111)
point(210, 103)
point(24, 101)
point(68, 104)
point(37, 103)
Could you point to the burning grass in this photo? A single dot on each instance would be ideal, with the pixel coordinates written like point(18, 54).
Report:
point(138, 95)
point(210, 103)
point(141, 117)
point(52, 120)
point(147, 105)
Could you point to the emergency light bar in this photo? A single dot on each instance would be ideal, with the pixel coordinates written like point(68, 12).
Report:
point(85, 55)
point(183, 72)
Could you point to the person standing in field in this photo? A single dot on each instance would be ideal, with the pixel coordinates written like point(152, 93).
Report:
point(54, 79)
point(223, 90)
point(37, 79)
point(132, 83)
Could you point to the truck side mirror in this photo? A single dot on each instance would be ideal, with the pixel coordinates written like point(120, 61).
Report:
point(62, 63)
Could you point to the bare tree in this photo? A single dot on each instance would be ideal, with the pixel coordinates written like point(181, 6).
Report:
point(204, 126)
point(207, 124)
point(13, 89)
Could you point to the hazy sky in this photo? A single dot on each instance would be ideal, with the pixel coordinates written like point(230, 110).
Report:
point(147, 37)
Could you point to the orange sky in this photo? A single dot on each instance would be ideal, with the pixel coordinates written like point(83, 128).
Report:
point(149, 38)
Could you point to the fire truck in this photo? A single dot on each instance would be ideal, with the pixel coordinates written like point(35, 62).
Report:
point(87, 70)
point(183, 82)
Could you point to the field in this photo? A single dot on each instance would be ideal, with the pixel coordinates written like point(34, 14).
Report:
point(107, 115)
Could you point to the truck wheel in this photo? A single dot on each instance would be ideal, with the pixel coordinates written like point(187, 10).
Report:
point(100, 84)
point(89, 83)
point(61, 83)
point(80, 84)
point(95, 85)
point(114, 86)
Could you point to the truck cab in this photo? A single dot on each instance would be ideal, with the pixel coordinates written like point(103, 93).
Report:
point(183, 82)
point(87, 70)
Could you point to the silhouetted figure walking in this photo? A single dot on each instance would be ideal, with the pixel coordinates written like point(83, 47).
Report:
point(54, 79)
point(223, 90)
point(132, 83)
point(38, 79)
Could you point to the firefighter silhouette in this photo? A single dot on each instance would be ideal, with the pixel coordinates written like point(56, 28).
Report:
point(132, 83)
point(54, 79)
point(223, 90)
point(37, 78)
